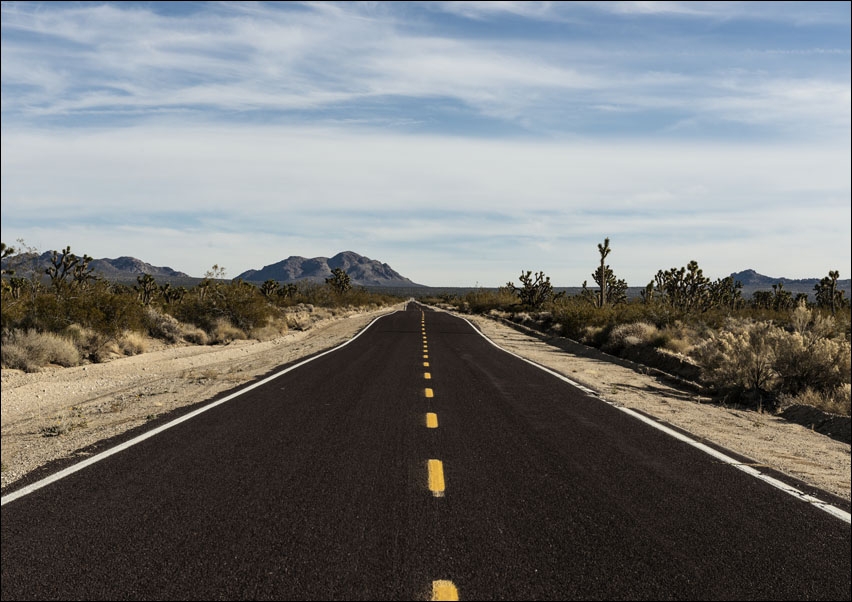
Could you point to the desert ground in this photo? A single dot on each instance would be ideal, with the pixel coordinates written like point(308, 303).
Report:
point(58, 412)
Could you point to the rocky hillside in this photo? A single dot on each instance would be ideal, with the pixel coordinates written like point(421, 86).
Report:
point(119, 269)
point(753, 281)
point(362, 271)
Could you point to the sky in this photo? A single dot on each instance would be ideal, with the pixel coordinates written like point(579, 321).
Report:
point(461, 143)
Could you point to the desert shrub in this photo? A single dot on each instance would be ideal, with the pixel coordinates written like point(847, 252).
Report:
point(835, 401)
point(810, 357)
point(105, 312)
point(163, 326)
point(595, 336)
point(132, 343)
point(31, 350)
point(678, 338)
point(167, 328)
point(273, 330)
point(740, 359)
point(631, 335)
point(194, 335)
point(482, 300)
point(224, 332)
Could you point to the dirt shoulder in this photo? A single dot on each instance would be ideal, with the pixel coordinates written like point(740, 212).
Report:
point(52, 414)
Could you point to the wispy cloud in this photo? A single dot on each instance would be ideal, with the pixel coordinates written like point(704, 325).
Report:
point(332, 58)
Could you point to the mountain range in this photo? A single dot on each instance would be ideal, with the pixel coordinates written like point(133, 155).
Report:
point(362, 271)
point(119, 269)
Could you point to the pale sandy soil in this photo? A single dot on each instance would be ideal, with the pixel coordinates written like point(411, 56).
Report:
point(90, 403)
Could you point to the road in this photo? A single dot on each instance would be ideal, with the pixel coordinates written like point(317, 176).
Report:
point(417, 460)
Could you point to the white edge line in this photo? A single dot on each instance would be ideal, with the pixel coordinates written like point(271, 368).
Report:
point(121, 447)
point(832, 510)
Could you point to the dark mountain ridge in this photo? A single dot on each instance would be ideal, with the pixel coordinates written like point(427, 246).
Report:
point(119, 269)
point(362, 271)
point(752, 278)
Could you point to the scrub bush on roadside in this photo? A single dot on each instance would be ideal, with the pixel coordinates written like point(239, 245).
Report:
point(30, 351)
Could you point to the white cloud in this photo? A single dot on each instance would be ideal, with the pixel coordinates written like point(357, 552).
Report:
point(322, 190)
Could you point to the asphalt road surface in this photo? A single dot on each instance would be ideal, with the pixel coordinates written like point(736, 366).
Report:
point(417, 460)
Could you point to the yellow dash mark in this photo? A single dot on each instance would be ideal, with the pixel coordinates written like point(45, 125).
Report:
point(436, 478)
point(444, 590)
point(431, 420)
point(425, 364)
point(425, 356)
point(430, 393)
point(427, 375)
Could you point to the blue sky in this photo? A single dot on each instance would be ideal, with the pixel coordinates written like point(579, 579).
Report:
point(459, 142)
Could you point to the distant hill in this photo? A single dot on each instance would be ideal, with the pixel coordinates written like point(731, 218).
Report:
point(124, 266)
point(362, 271)
point(116, 270)
point(753, 281)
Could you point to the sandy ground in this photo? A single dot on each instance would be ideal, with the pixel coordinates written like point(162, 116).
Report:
point(54, 413)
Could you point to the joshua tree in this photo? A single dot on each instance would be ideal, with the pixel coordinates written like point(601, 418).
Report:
point(339, 281)
point(535, 291)
point(827, 294)
point(611, 290)
point(66, 264)
point(4, 253)
point(601, 275)
point(147, 288)
point(269, 288)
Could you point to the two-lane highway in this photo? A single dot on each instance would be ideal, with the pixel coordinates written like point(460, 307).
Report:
point(322, 483)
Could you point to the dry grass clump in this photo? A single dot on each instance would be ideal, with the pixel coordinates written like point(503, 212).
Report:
point(170, 329)
point(194, 335)
point(224, 332)
point(273, 330)
point(837, 401)
point(163, 326)
point(679, 338)
point(132, 343)
point(632, 335)
point(30, 351)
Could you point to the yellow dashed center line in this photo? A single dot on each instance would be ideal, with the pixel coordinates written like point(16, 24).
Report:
point(430, 393)
point(443, 589)
point(427, 375)
point(436, 478)
point(425, 364)
point(431, 420)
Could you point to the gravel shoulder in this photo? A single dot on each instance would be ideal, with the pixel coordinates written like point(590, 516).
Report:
point(53, 414)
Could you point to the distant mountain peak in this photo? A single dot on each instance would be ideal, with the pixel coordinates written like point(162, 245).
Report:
point(362, 270)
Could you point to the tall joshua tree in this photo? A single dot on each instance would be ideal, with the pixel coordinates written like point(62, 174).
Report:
point(604, 251)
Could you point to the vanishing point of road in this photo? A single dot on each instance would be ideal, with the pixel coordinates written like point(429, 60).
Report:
point(417, 461)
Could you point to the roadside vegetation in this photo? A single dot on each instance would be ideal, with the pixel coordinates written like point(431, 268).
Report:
point(66, 315)
point(768, 352)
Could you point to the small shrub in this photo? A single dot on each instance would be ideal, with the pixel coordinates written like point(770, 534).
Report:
point(631, 335)
point(836, 401)
point(194, 335)
point(132, 343)
point(224, 332)
point(274, 329)
point(30, 351)
point(163, 326)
